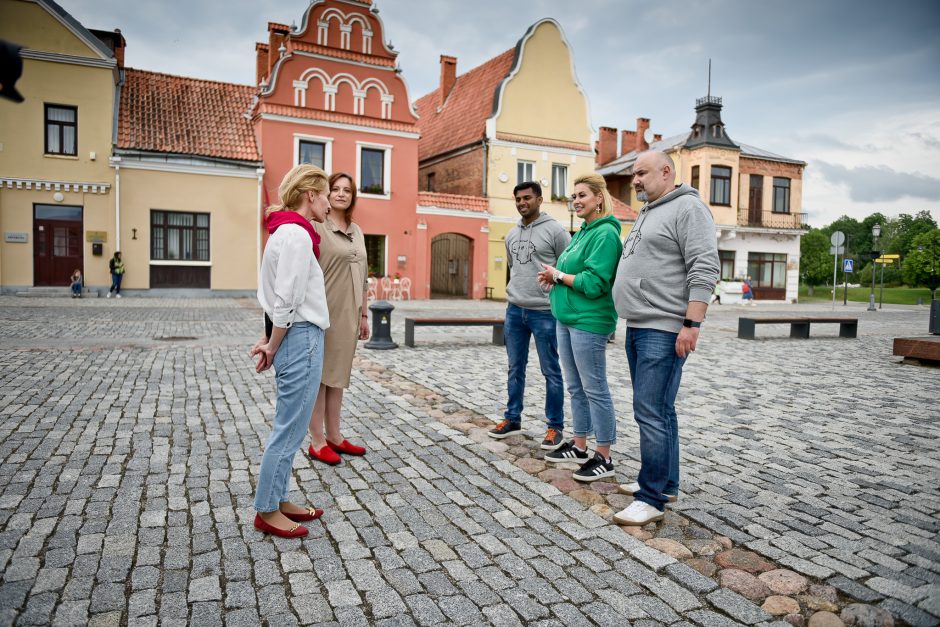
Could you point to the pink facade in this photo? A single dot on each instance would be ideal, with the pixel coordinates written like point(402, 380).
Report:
point(331, 94)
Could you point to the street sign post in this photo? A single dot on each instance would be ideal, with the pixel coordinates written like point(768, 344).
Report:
point(837, 239)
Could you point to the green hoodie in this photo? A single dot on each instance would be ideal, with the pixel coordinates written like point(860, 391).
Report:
point(592, 258)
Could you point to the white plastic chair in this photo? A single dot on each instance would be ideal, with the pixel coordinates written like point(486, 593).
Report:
point(404, 289)
point(370, 291)
point(386, 284)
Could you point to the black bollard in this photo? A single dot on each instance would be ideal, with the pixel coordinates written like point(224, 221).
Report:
point(381, 326)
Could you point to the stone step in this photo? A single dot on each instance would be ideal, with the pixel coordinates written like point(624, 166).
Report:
point(56, 292)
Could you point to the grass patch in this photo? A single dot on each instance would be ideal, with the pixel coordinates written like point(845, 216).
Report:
point(892, 295)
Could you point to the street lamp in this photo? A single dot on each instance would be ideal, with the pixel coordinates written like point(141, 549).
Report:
point(571, 211)
point(875, 253)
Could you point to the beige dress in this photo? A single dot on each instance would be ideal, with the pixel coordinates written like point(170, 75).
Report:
point(343, 260)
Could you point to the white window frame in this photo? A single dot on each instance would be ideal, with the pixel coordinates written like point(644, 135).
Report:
point(563, 192)
point(523, 163)
point(327, 149)
point(387, 169)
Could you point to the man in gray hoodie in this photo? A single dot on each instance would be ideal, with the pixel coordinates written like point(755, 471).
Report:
point(665, 279)
point(537, 239)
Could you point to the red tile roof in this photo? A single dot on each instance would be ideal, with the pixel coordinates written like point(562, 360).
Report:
point(189, 116)
point(462, 119)
point(333, 116)
point(453, 201)
point(623, 211)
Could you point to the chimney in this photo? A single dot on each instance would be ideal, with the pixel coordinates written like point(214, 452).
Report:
point(627, 141)
point(448, 76)
point(261, 62)
point(119, 45)
point(277, 35)
point(657, 137)
point(642, 125)
point(606, 145)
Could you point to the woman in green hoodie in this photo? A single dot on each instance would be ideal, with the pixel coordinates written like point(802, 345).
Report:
point(582, 305)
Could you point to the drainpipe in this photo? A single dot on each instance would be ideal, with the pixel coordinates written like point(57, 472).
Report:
point(117, 202)
point(485, 151)
point(260, 173)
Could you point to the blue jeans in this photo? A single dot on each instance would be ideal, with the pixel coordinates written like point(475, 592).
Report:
point(655, 371)
point(116, 283)
point(76, 288)
point(584, 358)
point(520, 325)
point(298, 364)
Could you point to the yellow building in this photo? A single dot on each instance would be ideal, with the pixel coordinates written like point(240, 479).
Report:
point(754, 195)
point(522, 115)
point(188, 184)
point(57, 197)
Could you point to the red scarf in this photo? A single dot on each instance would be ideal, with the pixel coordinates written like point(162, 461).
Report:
point(280, 218)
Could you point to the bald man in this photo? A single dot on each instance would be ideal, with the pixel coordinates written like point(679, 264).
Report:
point(665, 279)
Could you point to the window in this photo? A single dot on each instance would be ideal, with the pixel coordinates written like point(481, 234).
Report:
point(313, 153)
point(177, 236)
point(559, 182)
point(767, 269)
point(525, 171)
point(375, 254)
point(781, 195)
point(61, 130)
point(430, 187)
point(695, 177)
point(727, 264)
point(721, 185)
point(374, 172)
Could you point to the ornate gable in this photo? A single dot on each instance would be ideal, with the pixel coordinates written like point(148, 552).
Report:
point(336, 61)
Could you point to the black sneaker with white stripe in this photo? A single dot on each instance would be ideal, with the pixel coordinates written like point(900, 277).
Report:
point(567, 453)
point(594, 469)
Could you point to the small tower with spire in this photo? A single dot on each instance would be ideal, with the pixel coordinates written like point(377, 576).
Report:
point(708, 129)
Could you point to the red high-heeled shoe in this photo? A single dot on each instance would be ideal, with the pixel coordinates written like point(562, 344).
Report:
point(297, 531)
point(312, 513)
point(326, 455)
point(346, 447)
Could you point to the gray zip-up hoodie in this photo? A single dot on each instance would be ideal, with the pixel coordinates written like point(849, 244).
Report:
point(527, 248)
point(669, 258)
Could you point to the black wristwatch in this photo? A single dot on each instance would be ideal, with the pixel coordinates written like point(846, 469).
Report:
point(692, 324)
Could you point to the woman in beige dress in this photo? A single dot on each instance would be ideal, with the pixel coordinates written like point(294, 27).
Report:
point(343, 259)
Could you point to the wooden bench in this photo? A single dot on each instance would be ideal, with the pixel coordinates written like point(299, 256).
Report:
point(799, 326)
point(411, 323)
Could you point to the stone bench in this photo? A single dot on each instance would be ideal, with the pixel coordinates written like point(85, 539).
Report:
point(496, 323)
point(799, 326)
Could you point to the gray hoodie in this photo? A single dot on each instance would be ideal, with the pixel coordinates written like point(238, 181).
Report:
point(527, 248)
point(669, 258)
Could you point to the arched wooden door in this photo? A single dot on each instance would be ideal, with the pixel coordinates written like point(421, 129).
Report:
point(450, 265)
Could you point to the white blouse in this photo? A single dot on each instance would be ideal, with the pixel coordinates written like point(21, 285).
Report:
point(291, 280)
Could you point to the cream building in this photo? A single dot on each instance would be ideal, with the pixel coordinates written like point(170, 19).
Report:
point(522, 115)
point(57, 197)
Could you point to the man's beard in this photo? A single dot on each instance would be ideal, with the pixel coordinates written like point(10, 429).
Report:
point(642, 196)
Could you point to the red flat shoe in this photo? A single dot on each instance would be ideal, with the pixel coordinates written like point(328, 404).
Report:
point(325, 455)
point(297, 531)
point(347, 448)
point(312, 513)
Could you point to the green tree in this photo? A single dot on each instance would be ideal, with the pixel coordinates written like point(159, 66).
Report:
point(908, 228)
point(815, 260)
point(922, 263)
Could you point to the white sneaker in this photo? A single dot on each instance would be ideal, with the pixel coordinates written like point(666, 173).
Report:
point(632, 488)
point(638, 514)
point(109, 295)
point(118, 295)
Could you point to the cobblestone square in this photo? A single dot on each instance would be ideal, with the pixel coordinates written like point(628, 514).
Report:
point(131, 433)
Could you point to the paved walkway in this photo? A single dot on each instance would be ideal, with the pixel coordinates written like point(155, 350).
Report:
point(131, 431)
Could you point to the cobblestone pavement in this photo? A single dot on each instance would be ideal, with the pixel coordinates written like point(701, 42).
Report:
point(131, 431)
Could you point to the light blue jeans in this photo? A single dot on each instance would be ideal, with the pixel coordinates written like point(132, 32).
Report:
point(521, 324)
point(298, 365)
point(656, 371)
point(584, 360)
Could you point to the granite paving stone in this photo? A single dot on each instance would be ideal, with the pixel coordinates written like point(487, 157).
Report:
point(128, 461)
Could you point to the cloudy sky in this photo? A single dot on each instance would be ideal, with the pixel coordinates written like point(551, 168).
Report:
point(850, 86)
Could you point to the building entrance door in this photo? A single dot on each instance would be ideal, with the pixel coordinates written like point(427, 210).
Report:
point(450, 265)
point(57, 244)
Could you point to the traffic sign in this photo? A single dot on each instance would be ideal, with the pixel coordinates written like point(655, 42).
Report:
point(837, 238)
point(848, 265)
point(837, 250)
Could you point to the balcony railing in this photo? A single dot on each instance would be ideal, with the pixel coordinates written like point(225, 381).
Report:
point(772, 219)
